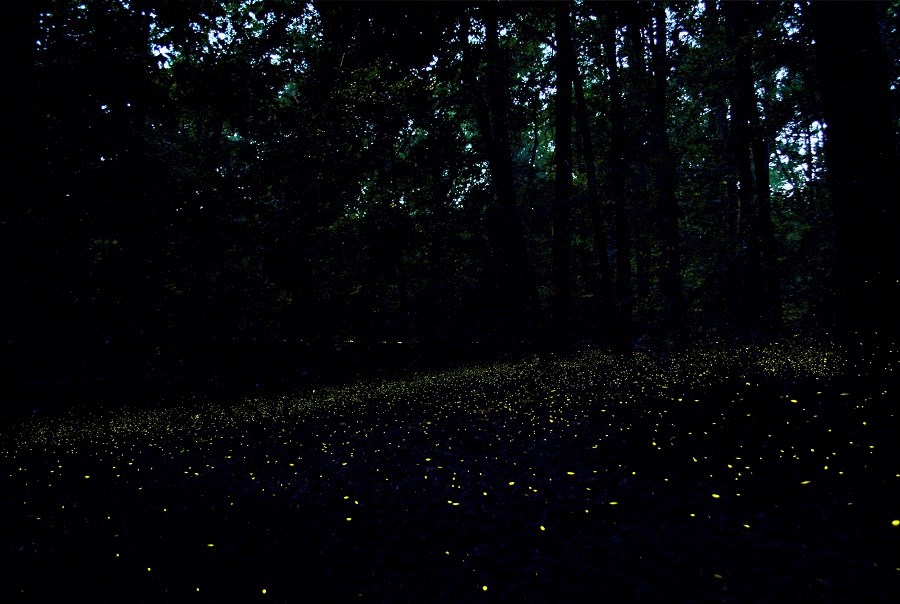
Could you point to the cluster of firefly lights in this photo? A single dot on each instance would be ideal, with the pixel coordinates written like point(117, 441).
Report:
point(593, 398)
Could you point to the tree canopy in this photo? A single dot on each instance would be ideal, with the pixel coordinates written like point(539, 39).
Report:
point(255, 190)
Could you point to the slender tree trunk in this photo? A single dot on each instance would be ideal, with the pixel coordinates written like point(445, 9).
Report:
point(745, 303)
point(561, 210)
point(603, 294)
point(637, 145)
point(725, 185)
point(760, 291)
point(624, 292)
point(19, 232)
point(861, 162)
point(643, 266)
point(671, 279)
point(772, 319)
point(517, 287)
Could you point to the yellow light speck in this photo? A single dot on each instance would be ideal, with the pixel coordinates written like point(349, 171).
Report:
point(613, 503)
point(895, 522)
point(264, 591)
point(349, 519)
point(512, 482)
point(86, 476)
point(716, 495)
point(542, 528)
point(806, 482)
point(570, 473)
point(484, 588)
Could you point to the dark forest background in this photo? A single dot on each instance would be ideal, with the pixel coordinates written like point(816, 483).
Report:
point(262, 193)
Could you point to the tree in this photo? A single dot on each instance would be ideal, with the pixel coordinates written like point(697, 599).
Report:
point(861, 159)
point(671, 277)
point(758, 306)
point(219, 189)
point(604, 308)
point(561, 213)
point(618, 170)
point(515, 285)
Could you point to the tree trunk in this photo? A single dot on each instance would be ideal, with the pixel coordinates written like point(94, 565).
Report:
point(725, 185)
point(20, 232)
point(603, 294)
point(624, 292)
point(638, 141)
point(746, 272)
point(517, 289)
point(760, 296)
point(861, 163)
point(561, 210)
point(772, 319)
point(670, 279)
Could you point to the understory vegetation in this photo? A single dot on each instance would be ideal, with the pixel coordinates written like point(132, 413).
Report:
point(718, 473)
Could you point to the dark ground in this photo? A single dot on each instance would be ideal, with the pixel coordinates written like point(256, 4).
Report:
point(762, 473)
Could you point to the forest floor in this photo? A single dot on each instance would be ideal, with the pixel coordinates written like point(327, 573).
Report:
point(760, 473)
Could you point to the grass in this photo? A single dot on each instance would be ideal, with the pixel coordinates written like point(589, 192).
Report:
point(760, 473)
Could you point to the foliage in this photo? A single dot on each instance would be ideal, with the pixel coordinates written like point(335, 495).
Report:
point(244, 190)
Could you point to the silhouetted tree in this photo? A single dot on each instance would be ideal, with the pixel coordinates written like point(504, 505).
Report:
point(861, 162)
